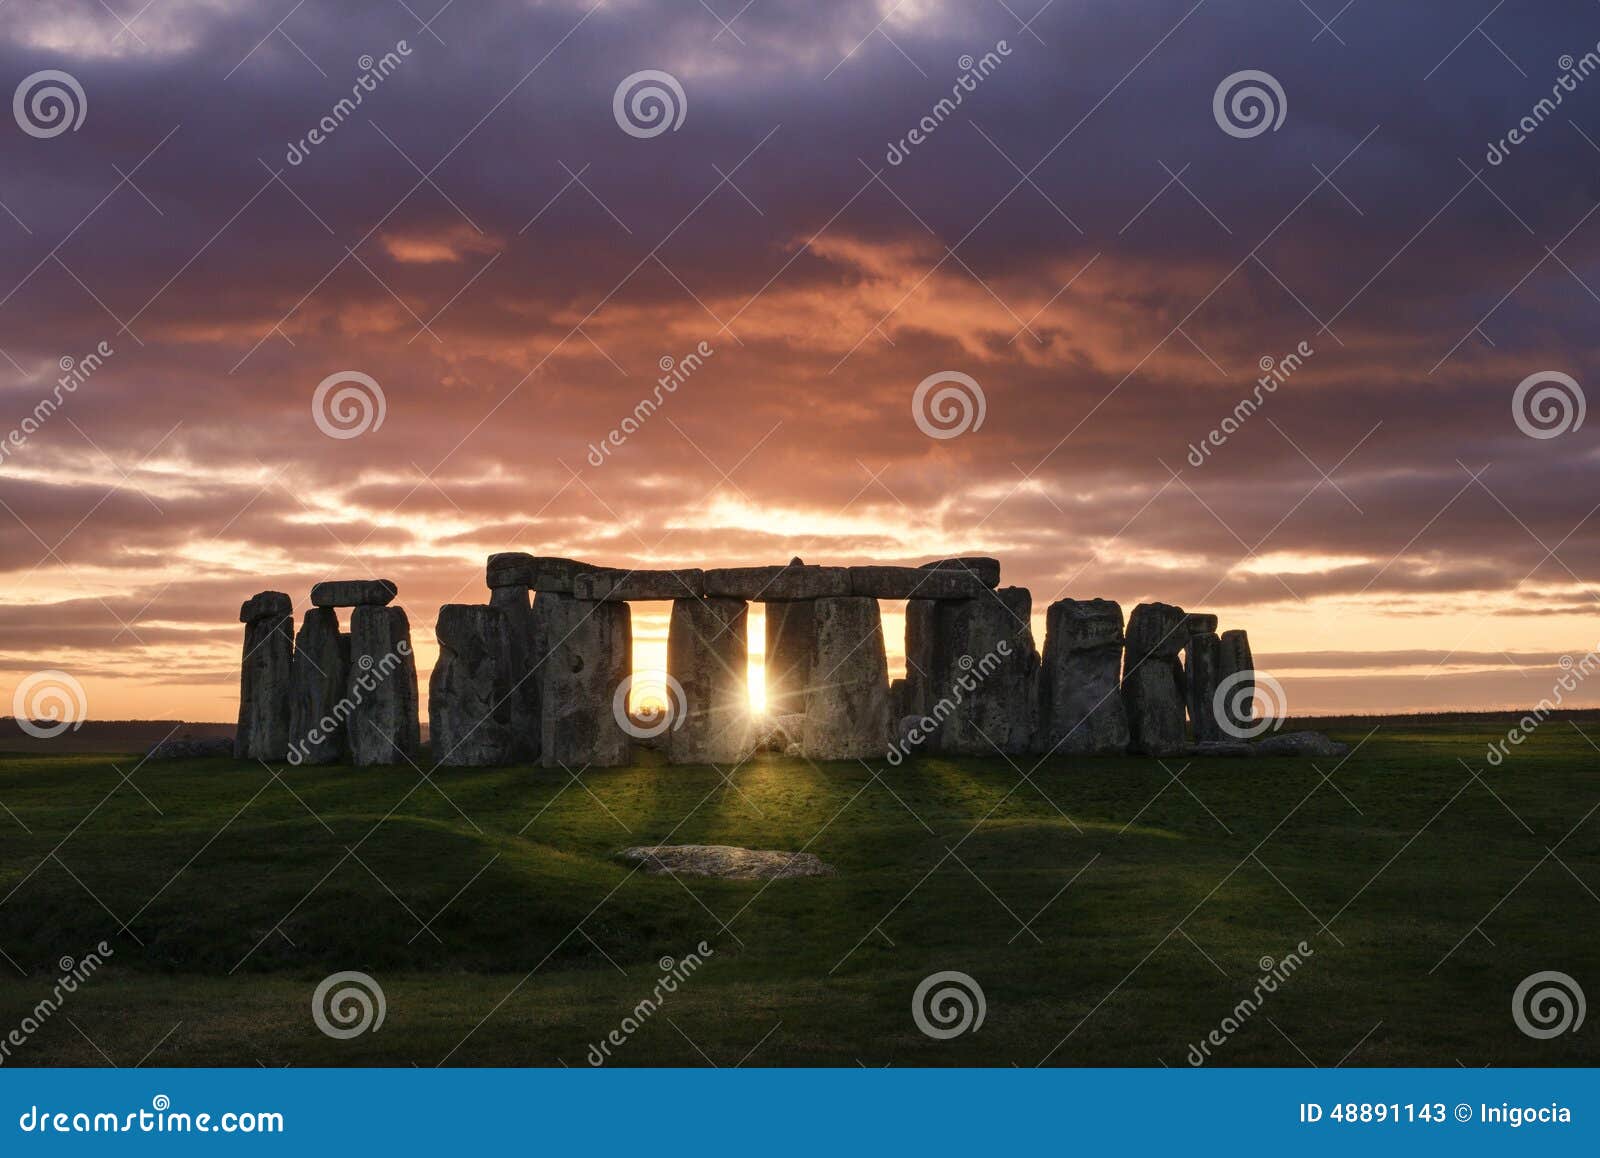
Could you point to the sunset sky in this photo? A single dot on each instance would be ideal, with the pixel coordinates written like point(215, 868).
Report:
point(1080, 236)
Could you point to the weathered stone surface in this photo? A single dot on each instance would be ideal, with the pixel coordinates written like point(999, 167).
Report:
point(1202, 659)
point(383, 727)
point(191, 748)
point(535, 572)
point(469, 693)
point(1081, 709)
point(263, 731)
point(708, 653)
point(321, 675)
point(791, 650)
point(613, 584)
point(986, 569)
point(1236, 660)
point(588, 653)
point(1200, 623)
point(353, 593)
point(983, 685)
point(776, 733)
point(725, 861)
point(1152, 680)
point(922, 622)
point(520, 634)
point(1300, 744)
point(265, 605)
point(915, 583)
point(1223, 748)
point(847, 696)
point(775, 584)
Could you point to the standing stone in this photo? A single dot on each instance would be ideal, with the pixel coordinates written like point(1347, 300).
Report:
point(587, 652)
point(847, 696)
point(1202, 661)
point(708, 654)
point(317, 733)
point(263, 731)
point(524, 690)
point(922, 624)
point(791, 650)
point(1152, 680)
point(1235, 660)
point(1080, 699)
point(470, 701)
point(985, 675)
point(383, 727)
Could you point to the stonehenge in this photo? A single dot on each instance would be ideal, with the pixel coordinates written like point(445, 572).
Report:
point(541, 671)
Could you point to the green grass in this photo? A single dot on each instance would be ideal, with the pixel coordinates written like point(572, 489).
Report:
point(244, 892)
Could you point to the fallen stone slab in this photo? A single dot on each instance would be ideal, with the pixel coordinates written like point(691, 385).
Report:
point(1081, 709)
point(1299, 744)
point(535, 572)
point(915, 583)
point(986, 569)
point(777, 584)
point(613, 585)
point(354, 593)
point(727, 862)
point(191, 748)
point(266, 605)
point(1221, 748)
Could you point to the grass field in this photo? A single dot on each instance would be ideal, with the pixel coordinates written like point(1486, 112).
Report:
point(1111, 914)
